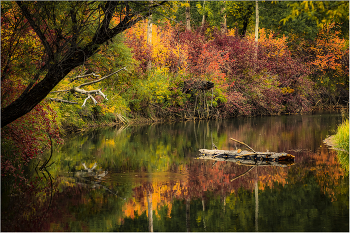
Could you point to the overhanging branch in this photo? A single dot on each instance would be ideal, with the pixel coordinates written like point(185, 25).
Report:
point(78, 89)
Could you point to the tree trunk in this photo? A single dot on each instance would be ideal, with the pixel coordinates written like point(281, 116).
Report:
point(150, 211)
point(256, 32)
point(188, 17)
point(25, 103)
point(203, 18)
point(224, 20)
point(256, 22)
point(149, 38)
point(246, 18)
point(149, 30)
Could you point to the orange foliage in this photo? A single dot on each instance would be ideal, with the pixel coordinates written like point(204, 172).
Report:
point(276, 46)
point(328, 170)
point(199, 178)
point(329, 49)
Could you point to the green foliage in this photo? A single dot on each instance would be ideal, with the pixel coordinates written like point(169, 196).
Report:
point(321, 13)
point(342, 142)
point(112, 56)
point(158, 91)
point(272, 14)
point(240, 15)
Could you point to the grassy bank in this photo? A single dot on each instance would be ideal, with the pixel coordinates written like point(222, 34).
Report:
point(341, 141)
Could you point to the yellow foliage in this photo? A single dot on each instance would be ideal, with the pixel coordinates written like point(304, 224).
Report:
point(277, 45)
point(287, 90)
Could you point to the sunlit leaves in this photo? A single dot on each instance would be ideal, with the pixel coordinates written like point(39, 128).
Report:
point(322, 12)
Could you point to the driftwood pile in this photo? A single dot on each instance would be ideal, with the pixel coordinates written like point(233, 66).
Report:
point(250, 158)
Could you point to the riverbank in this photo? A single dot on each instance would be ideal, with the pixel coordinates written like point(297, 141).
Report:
point(340, 143)
point(332, 143)
point(70, 126)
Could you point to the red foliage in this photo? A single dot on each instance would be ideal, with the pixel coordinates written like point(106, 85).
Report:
point(264, 81)
point(25, 138)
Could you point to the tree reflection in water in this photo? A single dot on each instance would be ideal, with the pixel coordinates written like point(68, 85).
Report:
point(161, 187)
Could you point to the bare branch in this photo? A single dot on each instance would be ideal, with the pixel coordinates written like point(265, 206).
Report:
point(63, 101)
point(82, 91)
point(85, 75)
point(99, 80)
point(59, 91)
point(89, 96)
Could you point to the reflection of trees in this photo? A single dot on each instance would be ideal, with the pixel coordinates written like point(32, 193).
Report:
point(213, 203)
point(280, 133)
point(279, 186)
point(298, 206)
point(327, 170)
point(204, 188)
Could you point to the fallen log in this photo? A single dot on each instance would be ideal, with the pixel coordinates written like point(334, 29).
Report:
point(248, 158)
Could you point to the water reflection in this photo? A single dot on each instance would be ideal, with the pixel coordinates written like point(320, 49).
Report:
point(153, 182)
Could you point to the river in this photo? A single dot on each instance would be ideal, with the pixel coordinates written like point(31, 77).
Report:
point(148, 178)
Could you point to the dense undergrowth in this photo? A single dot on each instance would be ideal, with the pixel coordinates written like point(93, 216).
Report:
point(271, 79)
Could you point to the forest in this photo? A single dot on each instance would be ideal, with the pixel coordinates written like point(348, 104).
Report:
point(67, 66)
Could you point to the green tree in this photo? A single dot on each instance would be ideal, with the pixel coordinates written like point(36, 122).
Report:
point(304, 18)
point(240, 15)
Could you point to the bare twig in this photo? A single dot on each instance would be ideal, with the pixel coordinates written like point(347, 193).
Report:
point(89, 97)
point(99, 80)
point(243, 144)
point(243, 173)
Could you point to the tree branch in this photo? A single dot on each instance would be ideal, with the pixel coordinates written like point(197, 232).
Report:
point(63, 101)
point(83, 76)
point(36, 28)
point(99, 80)
point(84, 92)
point(89, 96)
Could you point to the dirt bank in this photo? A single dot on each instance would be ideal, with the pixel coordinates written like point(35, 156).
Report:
point(331, 143)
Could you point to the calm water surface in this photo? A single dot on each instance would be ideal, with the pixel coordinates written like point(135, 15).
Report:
point(147, 178)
